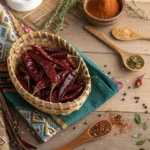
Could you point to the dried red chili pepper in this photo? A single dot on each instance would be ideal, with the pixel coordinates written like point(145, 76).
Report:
point(27, 144)
point(72, 63)
point(22, 81)
point(27, 76)
point(41, 73)
point(18, 124)
point(49, 70)
point(45, 93)
point(31, 66)
point(53, 50)
point(74, 87)
point(42, 84)
point(69, 81)
point(61, 55)
point(37, 94)
point(21, 69)
point(139, 81)
point(71, 96)
point(62, 76)
point(45, 54)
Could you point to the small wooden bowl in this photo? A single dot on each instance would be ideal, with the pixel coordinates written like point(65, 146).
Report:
point(46, 40)
point(103, 22)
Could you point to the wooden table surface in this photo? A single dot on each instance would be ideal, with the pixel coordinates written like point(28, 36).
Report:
point(103, 55)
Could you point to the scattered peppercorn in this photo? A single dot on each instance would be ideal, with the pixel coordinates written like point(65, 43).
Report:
point(105, 65)
point(74, 128)
point(129, 87)
point(145, 107)
point(123, 99)
point(137, 101)
point(85, 122)
point(146, 112)
point(143, 104)
point(109, 73)
point(99, 115)
point(125, 94)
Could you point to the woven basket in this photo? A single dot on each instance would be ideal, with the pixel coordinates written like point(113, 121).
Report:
point(50, 40)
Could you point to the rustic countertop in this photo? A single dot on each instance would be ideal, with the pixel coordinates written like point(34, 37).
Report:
point(103, 55)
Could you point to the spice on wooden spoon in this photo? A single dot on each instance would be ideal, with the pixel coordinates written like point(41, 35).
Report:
point(124, 55)
point(125, 33)
point(96, 131)
point(135, 62)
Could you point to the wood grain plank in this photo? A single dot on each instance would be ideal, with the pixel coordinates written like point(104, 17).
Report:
point(87, 43)
point(116, 67)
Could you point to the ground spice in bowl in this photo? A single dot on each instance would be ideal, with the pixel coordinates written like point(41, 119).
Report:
point(135, 62)
point(103, 9)
point(99, 129)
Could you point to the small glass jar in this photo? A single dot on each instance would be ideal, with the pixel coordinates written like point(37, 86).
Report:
point(23, 5)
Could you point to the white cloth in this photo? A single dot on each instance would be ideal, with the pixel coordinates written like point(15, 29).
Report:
point(23, 5)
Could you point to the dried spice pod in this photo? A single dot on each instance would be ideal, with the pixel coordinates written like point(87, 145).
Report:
point(49, 70)
point(30, 65)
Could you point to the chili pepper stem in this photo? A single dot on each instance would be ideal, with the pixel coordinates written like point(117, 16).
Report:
point(70, 56)
point(93, 77)
point(53, 85)
point(77, 70)
point(35, 90)
point(27, 78)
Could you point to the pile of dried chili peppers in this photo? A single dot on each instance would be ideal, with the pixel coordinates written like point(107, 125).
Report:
point(51, 74)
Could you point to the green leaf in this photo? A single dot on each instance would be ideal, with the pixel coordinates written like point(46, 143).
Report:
point(140, 142)
point(138, 118)
point(142, 149)
point(145, 126)
point(136, 135)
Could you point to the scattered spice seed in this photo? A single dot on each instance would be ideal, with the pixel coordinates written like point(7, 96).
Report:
point(85, 122)
point(109, 73)
point(137, 101)
point(99, 115)
point(123, 99)
point(118, 121)
point(125, 94)
point(105, 65)
point(146, 112)
point(129, 87)
point(145, 107)
point(74, 128)
point(143, 104)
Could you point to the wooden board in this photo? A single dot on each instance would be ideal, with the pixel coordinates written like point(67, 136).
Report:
point(103, 55)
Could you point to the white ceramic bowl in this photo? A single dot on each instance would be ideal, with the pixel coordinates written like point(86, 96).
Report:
point(23, 5)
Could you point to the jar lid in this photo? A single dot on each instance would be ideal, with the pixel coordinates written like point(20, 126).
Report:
point(23, 5)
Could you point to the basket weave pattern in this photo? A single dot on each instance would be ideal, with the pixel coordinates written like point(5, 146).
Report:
point(46, 40)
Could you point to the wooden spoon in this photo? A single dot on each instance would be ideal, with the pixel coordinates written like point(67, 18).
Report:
point(126, 34)
point(88, 135)
point(124, 55)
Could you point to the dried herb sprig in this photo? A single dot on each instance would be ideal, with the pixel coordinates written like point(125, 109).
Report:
point(137, 10)
point(62, 15)
point(68, 6)
point(49, 22)
point(61, 11)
